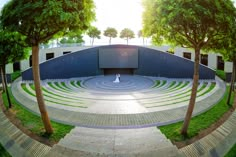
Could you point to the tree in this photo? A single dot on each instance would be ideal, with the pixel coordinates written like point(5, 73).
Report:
point(12, 49)
point(227, 48)
point(111, 33)
point(71, 37)
point(193, 24)
point(39, 21)
point(140, 34)
point(127, 34)
point(93, 32)
point(70, 40)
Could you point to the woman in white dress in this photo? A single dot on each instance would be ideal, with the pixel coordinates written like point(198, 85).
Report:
point(117, 80)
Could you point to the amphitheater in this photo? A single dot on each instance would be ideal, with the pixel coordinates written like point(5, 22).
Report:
point(118, 119)
point(136, 101)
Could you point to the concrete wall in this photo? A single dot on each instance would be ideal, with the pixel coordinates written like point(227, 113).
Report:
point(151, 62)
point(212, 57)
point(156, 63)
point(8, 79)
point(79, 64)
point(58, 51)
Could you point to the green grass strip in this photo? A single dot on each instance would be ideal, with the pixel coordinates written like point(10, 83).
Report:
point(212, 86)
point(232, 152)
point(197, 123)
point(57, 87)
point(157, 83)
point(73, 83)
point(46, 92)
point(179, 86)
point(189, 91)
point(183, 96)
point(203, 86)
point(61, 88)
point(58, 103)
point(163, 83)
point(3, 152)
point(64, 85)
point(23, 86)
point(34, 123)
point(79, 84)
point(15, 75)
point(172, 84)
point(221, 74)
point(60, 96)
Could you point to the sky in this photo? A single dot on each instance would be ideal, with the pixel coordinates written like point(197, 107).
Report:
point(119, 14)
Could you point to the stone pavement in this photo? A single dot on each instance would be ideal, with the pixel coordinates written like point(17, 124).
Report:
point(16, 142)
point(89, 142)
point(86, 142)
point(215, 144)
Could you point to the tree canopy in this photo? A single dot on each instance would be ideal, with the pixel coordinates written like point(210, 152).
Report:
point(111, 33)
point(187, 23)
point(39, 21)
point(194, 24)
point(93, 32)
point(12, 49)
point(127, 34)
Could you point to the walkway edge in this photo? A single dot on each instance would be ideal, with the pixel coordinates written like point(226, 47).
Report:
point(17, 143)
point(217, 143)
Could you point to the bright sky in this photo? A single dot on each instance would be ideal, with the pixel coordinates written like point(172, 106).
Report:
point(119, 14)
point(115, 13)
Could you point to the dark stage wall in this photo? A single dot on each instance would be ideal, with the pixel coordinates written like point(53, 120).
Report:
point(150, 63)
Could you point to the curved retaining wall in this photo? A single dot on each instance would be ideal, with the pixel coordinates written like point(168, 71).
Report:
point(151, 62)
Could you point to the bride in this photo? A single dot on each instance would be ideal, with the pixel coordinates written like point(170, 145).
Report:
point(117, 80)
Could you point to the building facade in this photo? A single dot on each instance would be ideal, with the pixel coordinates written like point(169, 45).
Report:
point(212, 60)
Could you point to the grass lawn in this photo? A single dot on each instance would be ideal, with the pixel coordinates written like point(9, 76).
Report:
point(34, 123)
point(232, 152)
point(221, 74)
point(3, 152)
point(197, 123)
point(15, 75)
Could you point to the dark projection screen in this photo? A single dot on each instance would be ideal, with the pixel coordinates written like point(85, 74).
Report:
point(118, 58)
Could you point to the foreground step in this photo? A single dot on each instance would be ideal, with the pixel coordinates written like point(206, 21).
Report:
point(122, 142)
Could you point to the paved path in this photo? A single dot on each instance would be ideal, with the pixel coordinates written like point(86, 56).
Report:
point(215, 144)
point(16, 142)
point(87, 142)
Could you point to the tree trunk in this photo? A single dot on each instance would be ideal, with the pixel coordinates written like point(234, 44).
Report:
point(193, 94)
point(232, 83)
point(38, 90)
point(110, 41)
point(92, 41)
point(5, 84)
point(233, 89)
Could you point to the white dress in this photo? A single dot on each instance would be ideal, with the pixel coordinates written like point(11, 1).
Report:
point(117, 80)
